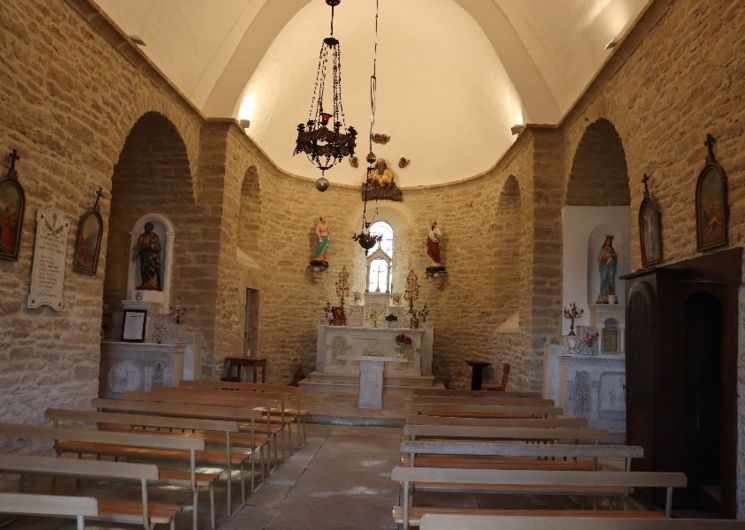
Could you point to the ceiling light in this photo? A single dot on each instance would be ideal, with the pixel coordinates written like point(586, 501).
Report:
point(137, 40)
point(326, 146)
point(610, 44)
point(245, 124)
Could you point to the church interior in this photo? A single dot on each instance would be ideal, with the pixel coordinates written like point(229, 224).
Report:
point(481, 270)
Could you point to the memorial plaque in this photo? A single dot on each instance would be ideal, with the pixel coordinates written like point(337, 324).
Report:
point(50, 257)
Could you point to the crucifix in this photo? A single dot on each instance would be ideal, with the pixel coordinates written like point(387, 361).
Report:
point(99, 193)
point(709, 143)
point(12, 169)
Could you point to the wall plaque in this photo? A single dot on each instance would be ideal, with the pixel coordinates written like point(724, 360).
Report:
point(50, 257)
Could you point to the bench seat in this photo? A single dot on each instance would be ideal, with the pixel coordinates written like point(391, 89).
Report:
point(417, 512)
point(207, 457)
point(236, 440)
point(183, 476)
point(131, 511)
point(510, 462)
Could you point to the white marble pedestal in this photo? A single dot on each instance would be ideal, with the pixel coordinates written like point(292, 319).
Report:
point(371, 378)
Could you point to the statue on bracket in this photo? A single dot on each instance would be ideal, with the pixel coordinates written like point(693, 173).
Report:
point(322, 234)
point(148, 250)
point(433, 251)
point(607, 266)
point(380, 183)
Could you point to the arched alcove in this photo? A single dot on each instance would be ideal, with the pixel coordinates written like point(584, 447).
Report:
point(152, 177)
point(597, 204)
point(599, 176)
point(508, 250)
point(249, 222)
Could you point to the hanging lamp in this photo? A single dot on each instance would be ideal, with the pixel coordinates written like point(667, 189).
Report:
point(364, 238)
point(324, 138)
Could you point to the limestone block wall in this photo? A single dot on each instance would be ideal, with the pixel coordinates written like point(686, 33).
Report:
point(69, 101)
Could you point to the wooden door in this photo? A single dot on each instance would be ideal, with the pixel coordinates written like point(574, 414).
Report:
point(641, 353)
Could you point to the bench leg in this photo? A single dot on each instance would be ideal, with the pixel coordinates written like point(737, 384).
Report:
point(230, 490)
point(81, 522)
point(243, 484)
point(253, 469)
point(195, 503)
point(212, 505)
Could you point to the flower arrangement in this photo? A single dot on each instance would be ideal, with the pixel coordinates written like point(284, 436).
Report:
point(402, 341)
point(590, 337)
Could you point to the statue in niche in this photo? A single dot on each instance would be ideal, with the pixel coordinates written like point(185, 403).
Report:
point(148, 249)
point(607, 265)
point(433, 250)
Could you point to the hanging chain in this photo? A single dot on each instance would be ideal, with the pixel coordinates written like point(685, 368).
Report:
point(373, 77)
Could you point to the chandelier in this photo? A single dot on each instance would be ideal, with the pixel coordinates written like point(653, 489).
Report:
point(324, 138)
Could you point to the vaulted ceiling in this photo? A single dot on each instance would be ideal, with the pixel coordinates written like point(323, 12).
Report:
point(453, 75)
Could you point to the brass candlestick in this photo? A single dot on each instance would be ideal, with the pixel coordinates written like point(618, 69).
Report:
point(411, 293)
point(572, 313)
point(342, 286)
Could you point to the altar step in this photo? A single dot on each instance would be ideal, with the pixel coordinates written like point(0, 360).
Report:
point(398, 385)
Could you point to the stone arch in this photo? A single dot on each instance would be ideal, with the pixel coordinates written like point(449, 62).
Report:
point(249, 216)
point(598, 176)
point(152, 175)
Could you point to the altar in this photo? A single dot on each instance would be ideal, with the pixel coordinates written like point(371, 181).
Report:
point(413, 346)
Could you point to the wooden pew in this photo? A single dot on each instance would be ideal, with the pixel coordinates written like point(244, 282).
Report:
point(192, 479)
point(251, 440)
point(484, 411)
point(514, 455)
point(294, 392)
point(227, 458)
point(471, 393)
point(584, 483)
point(282, 414)
point(421, 419)
point(236, 402)
point(501, 522)
point(494, 399)
point(50, 505)
point(110, 510)
point(505, 433)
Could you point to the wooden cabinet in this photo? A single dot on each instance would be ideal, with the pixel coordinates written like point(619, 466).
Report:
point(681, 373)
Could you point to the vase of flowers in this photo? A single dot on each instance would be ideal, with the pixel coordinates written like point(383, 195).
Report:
point(402, 342)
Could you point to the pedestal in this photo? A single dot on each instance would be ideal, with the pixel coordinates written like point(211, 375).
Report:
point(477, 373)
point(371, 379)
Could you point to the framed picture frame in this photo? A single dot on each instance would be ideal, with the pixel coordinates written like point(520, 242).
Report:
point(88, 243)
point(712, 210)
point(650, 228)
point(133, 328)
point(12, 206)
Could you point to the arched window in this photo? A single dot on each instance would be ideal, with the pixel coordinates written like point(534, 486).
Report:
point(380, 259)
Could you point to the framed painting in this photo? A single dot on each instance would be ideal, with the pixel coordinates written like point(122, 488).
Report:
point(12, 204)
point(712, 211)
point(650, 232)
point(133, 329)
point(88, 243)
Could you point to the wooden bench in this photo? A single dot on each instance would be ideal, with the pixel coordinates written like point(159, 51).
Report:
point(484, 411)
point(625, 521)
point(505, 455)
point(251, 440)
point(190, 479)
point(50, 505)
point(183, 398)
point(226, 458)
point(283, 414)
point(494, 399)
point(505, 433)
point(294, 392)
point(421, 419)
point(130, 512)
point(471, 393)
point(584, 483)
